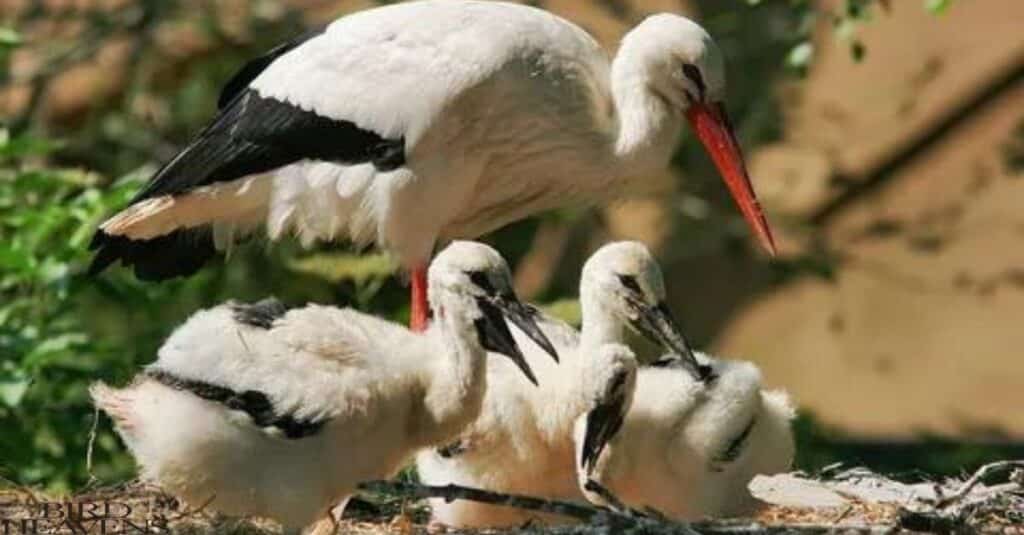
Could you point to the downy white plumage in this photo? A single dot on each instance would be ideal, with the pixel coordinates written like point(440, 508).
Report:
point(522, 442)
point(416, 123)
point(689, 448)
point(281, 413)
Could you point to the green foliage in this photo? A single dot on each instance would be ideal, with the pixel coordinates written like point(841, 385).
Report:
point(61, 330)
point(567, 310)
point(47, 357)
point(937, 7)
point(9, 40)
point(845, 23)
point(367, 272)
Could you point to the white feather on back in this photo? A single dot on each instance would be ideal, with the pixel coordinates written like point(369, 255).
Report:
point(310, 364)
point(322, 201)
point(388, 72)
point(670, 452)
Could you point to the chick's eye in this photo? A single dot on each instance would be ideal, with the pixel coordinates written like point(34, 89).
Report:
point(481, 280)
point(630, 283)
point(735, 447)
point(693, 74)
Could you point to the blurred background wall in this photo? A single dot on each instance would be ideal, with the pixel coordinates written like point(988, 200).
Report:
point(886, 140)
point(903, 172)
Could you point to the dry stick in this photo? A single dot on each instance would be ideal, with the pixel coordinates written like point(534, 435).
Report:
point(982, 473)
point(744, 528)
point(613, 501)
point(92, 442)
point(589, 513)
point(457, 492)
point(576, 511)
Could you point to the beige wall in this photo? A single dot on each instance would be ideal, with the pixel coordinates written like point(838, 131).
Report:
point(923, 327)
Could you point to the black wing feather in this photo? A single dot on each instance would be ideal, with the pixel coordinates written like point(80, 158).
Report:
point(261, 314)
point(254, 403)
point(255, 134)
point(251, 134)
point(180, 253)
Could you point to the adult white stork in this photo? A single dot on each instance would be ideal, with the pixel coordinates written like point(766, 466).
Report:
point(254, 409)
point(411, 124)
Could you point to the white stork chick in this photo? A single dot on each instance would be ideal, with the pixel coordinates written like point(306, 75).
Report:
point(263, 411)
point(412, 124)
point(687, 448)
point(523, 440)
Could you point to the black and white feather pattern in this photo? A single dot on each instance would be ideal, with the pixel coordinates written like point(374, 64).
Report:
point(251, 134)
point(403, 126)
point(241, 79)
point(255, 404)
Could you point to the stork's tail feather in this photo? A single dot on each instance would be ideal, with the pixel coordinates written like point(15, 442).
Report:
point(117, 404)
point(173, 235)
point(178, 254)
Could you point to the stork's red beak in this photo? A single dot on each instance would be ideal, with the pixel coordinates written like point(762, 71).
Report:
point(714, 130)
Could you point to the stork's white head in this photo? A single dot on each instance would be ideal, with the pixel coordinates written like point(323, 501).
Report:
point(683, 65)
point(622, 284)
point(456, 266)
point(609, 382)
point(470, 278)
point(674, 63)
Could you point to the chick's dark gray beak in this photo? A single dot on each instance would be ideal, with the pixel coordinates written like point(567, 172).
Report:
point(658, 325)
point(525, 317)
point(495, 336)
point(603, 422)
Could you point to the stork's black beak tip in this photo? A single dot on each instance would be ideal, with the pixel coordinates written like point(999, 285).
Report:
point(525, 317)
point(524, 366)
point(548, 348)
point(657, 324)
point(494, 335)
point(529, 375)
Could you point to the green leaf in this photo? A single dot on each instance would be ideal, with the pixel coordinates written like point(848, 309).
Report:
point(337, 267)
point(21, 146)
point(52, 347)
point(9, 37)
point(567, 310)
point(13, 389)
point(801, 55)
point(937, 7)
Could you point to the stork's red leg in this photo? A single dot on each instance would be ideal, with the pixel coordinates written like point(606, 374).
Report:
point(420, 310)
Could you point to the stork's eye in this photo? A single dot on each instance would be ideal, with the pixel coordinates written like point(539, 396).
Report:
point(735, 447)
point(693, 73)
point(618, 384)
point(630, 283)
point(481, 280)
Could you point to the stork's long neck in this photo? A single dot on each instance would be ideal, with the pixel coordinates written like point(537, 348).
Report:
point(648, 127)
point(600, 326)
point(457, 380)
